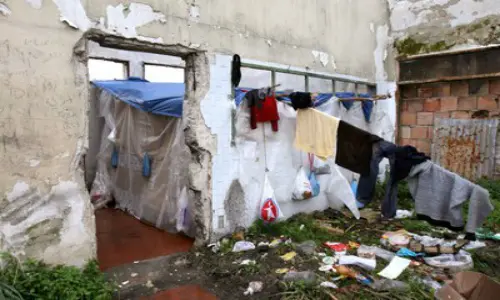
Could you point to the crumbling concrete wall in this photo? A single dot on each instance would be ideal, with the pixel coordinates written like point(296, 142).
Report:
point(437, 25)
point(43, 117)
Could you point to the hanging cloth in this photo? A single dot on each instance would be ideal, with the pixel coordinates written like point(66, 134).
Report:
point(316, 132)
point(367, 106)
point(263, 108)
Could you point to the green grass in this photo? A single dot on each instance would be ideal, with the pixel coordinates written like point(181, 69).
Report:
point(493, 186)
point(36, 280)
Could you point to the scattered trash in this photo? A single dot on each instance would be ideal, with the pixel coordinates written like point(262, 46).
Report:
point(254, 287)
point(326, 268)
point(302, 226)
point(248, 262)
point(389, 285)
point(405, 252)
point(395, 268)
point(321, 254)
point(365, 263)
point(354, 245)
point(370, 215)
point(455, 263)
point(339, 248)
point(263, 246)
point(328, 260)
point(306, 276)
point(399, 238)
point(485, 234)
point(149, 284)
point(133, 275)
point(239, 234)
point(429, 282)
point(282, 271)
point(403, 214)
point(242, 246)
point(307, 247)
point(289, 256)
point(328, 284)
point(275, 243)
point(125, 282)
point(347, 272)
point(372, 252)
point(474, 245)
point(215, 247)
point(469, 286)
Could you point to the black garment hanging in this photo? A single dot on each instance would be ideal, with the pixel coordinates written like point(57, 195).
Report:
point(301, 100)
point(236, 71)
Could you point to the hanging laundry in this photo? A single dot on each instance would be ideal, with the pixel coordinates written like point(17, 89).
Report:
point(401, 160)
point(354, 148)
point(263, 108)
point(301, 100)
point(236, 71)
point(347, 104)
point(316, 133)
point(441, 195)
point(367, 106)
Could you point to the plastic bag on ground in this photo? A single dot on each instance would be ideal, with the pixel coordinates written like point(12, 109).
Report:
point(302, 187)
point(372, 251)
point(455, 263)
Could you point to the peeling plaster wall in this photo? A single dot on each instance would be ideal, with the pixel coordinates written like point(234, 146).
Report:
point(445, 24)
point(44, 107)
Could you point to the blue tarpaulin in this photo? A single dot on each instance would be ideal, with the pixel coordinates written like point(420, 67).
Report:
point(156, 98)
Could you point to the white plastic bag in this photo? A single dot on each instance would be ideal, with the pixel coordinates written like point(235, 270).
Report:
point(339, 191)
point(302, 187)
point(269, 210)
point(182, 216)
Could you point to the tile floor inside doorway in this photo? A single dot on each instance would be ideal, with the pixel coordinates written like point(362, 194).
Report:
point(122, 239)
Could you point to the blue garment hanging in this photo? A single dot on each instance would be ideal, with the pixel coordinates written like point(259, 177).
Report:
point(367, 107)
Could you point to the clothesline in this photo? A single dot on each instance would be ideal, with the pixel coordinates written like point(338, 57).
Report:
point(314, 95)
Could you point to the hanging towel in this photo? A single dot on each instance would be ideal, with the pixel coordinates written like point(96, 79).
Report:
point(367, 106)
point(316, 133)
point(354, 148)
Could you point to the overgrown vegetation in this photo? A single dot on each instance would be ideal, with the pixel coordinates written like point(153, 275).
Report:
point(35, 280)
point(409, 46)
point(493, 186)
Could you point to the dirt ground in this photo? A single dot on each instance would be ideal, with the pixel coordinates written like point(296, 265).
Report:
point(224, 276)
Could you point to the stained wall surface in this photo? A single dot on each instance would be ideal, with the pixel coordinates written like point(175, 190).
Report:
point(45, 212)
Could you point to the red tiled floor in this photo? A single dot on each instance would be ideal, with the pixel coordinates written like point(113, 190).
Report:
point(190, 292)
point(122, 239)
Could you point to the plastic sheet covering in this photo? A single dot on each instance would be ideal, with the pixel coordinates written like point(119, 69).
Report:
point(137, 134)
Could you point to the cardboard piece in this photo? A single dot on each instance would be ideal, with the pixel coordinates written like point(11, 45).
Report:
point(469, 286)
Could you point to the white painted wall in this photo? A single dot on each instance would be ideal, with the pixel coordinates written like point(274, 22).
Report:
point(246, 161)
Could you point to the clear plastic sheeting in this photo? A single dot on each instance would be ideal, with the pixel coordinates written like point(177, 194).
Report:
point(130, 138)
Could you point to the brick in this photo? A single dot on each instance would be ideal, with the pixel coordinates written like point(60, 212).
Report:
point(479, 87)
point(430, 132)
point(449, 103)
point(425, 118)
point(460, 89)
point(403, 105)
point(467, 103)
point(424, 92)
point(460, 115)
point(408, 91)
point(405, 132)
point(404, 142)
point(495, 86)
point(412, 142)
point(432, 104)
point(408, 118)
point(442, 89)
point(487, 102)
point(424, 146)
point(442, 115)
point(419, 132)
point(415, 105)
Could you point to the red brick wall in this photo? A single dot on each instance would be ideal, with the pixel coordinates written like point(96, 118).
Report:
point(421, 104)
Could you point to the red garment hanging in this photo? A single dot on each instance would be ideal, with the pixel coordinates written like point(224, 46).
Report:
point(267, 113)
